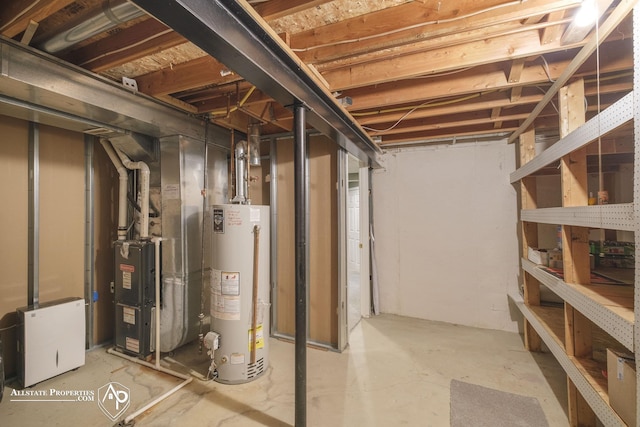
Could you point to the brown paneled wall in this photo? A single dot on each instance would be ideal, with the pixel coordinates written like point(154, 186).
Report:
point(61, 225)
point(323, 244)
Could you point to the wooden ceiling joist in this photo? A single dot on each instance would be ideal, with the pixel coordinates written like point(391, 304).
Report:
point(422, 22)
point(276, 9)
point(484, 52)
point(196, 73)
point(15, 16)
point(487, 77)
point(135, 42)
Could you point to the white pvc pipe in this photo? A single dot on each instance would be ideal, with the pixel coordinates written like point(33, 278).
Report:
point(144, 190)
point(187, 379)
point(122, 195)
point(156, 241)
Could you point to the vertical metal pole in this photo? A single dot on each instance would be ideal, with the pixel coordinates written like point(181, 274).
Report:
point(88, 236)
point(33, 279)
point(636, 184)
point(301, 261)
point(273, 202)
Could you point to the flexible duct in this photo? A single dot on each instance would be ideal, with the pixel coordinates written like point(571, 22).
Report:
point(144, 190)
point(122, 195)
point(110, 17)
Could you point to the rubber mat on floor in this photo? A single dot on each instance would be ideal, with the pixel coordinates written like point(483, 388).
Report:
point(477, 406)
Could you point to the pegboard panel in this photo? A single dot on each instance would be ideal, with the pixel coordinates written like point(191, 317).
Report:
point(611, 118)
point(611, 217)
point(615, 325)
point(601, 408)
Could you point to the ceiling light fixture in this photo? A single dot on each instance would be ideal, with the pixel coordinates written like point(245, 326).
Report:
point(587, 14)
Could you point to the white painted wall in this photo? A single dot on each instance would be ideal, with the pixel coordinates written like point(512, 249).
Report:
point(445, 222)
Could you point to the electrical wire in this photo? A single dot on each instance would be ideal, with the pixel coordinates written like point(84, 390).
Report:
point(425, 104)
point(547, 69)
point(428, 76)
point(551, 102)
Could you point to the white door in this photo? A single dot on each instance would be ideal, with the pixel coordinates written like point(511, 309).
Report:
point(354, 246)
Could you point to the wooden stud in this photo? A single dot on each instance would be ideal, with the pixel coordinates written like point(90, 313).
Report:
point(575, 243)
point(516, 70)
point(529, 233)
point(516, 93)
point(553, 33)
point(580, 413)
point(29, 32)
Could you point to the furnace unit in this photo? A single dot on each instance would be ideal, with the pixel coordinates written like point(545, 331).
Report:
point(135, 297)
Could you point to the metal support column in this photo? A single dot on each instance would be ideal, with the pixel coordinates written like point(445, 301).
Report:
point(88, 237)
point(301, 185)
point(33, 289)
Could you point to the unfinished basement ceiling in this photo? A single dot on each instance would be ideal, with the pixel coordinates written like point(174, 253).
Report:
point(409, 72)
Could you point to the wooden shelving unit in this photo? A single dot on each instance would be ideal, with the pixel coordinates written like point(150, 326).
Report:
point(591, 315)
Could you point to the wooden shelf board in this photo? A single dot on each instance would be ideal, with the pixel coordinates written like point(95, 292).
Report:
point(617, 298)
point(553, 320)
point(592, 371)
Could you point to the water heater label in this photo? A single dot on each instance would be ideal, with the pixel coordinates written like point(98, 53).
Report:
point(218, 221)
point(225, 295)
point(234, 218)
point(236, 358)
point(230, 283)
point(259, 337)
point(254, 215)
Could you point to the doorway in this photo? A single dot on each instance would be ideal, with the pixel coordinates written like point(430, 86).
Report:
point(354, 245)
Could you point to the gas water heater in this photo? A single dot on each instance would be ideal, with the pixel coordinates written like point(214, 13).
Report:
point(240, 291)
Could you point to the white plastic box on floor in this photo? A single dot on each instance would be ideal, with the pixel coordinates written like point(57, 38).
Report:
point(51, 339)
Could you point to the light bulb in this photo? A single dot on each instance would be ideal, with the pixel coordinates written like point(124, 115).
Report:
point(587, 14)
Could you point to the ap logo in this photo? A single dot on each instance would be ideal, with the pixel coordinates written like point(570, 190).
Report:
point(113, 399)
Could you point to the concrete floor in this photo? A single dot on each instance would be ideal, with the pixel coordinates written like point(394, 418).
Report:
point(397, 371)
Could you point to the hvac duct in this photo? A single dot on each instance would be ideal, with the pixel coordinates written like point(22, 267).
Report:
point(181, 181)
point(111, 16)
